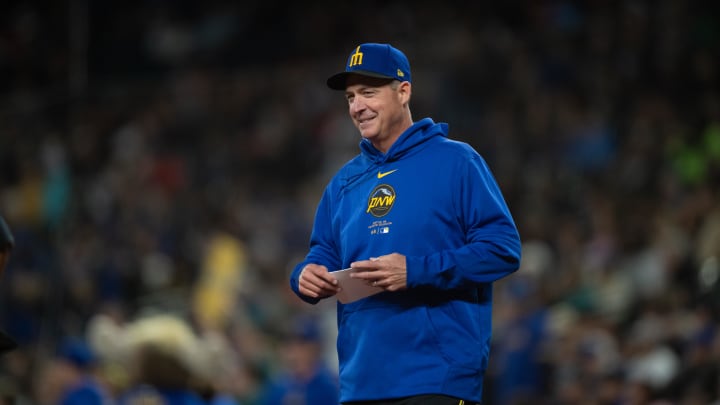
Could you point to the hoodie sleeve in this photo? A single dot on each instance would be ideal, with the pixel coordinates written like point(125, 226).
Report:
point(492, 248)
point(322, 246)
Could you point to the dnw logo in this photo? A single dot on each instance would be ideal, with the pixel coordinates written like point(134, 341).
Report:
point(381, 200)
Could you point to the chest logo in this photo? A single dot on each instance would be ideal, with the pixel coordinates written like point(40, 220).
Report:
point(381, 174)
point(381, 200)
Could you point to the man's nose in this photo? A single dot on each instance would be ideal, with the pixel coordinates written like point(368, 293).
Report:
point(357, 105)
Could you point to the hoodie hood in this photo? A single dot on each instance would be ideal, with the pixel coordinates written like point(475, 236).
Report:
point(417, 134)
point(371, 158)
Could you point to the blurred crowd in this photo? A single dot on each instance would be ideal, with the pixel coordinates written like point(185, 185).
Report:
point(160, 163)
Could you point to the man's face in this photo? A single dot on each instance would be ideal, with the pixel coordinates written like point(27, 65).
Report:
point(376, 107)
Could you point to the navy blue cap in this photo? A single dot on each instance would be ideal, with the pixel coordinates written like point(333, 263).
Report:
point(374, 60)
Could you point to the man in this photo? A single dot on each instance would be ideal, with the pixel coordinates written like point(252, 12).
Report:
point(7, 242)
point(421, 217)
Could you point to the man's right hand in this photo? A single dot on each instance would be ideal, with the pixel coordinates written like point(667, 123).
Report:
point(317, 282)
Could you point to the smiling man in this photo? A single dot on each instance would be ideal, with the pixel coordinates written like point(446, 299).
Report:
point(421, 217)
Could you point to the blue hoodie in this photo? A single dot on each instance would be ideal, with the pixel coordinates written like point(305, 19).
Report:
point(435, 201)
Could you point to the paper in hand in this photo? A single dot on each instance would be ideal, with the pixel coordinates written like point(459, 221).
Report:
point(353, 289)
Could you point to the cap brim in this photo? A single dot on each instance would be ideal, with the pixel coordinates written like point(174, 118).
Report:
point(339, 81)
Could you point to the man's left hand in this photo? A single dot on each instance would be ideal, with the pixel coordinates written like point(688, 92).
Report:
point(388, 272)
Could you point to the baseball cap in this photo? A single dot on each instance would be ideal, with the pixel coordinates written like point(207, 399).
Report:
point(374, 60)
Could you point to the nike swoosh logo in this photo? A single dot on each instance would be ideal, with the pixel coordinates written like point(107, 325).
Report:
point(381, 174)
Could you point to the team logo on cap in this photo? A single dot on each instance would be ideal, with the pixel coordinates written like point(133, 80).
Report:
point(381, 200)
point(356, 58)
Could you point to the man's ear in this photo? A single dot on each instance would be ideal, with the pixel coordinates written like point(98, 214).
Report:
point(405, 91)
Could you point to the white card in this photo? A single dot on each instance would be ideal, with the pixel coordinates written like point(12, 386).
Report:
point(352, 288)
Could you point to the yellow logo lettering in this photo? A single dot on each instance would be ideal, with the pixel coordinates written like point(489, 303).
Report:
point(385, 201)
point(356, 58)
point(381, 200)
point(373, 203)
point(400, 73)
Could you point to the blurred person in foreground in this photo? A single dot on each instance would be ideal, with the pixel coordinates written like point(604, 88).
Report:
point(161, 350)
point(70, 377)
point(7, 243)
point(421, 218)
point(304, 379)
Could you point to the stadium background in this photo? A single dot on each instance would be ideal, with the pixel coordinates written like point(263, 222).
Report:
point(166, 157)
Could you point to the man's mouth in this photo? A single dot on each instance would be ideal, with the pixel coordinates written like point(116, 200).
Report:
point(365, 121)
